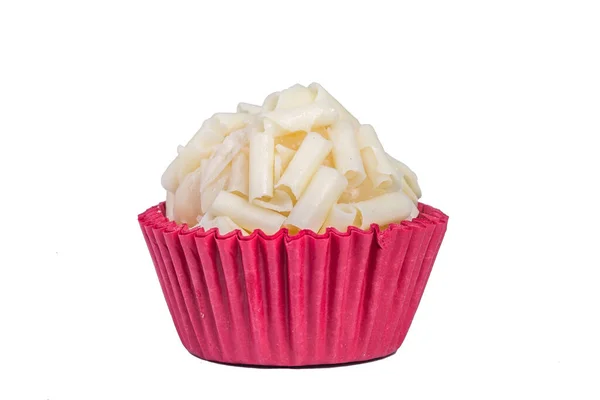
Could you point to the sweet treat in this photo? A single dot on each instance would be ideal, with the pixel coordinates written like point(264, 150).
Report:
point(300, 161)
point(290, 237)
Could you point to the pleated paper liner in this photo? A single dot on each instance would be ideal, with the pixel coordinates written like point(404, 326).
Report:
point(299, 300)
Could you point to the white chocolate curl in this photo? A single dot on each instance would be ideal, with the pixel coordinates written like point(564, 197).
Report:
point(377, 164)
point(249, 108)
point(285, 154)
point(201, 146)
point(210, 192)
point(384, 209)
point(226, 225)
point(188, 159)
point(313, 206)
point(409, 175)
point(246, 215)
point(207, 221)
point(272, 128)
point(281, 202)
point(302, 118)
point(311, 154)
point(210, 133)
point(405, 187)
point(323, 97)
point(238, 181)
point(346, 153)
point(295, 96)
point(414, 213)
point(170, 206)
point(223, 156)
point(262, 149)
point(187, 204)
point(340, 217)
point(233, 121)
point(270, 102)
point(277, 168)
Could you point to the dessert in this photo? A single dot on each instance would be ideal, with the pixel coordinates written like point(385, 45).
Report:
point(290, 237)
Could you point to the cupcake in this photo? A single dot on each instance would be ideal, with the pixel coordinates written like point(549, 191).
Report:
point(289, 237)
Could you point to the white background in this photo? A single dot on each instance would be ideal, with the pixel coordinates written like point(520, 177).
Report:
point(495, 105)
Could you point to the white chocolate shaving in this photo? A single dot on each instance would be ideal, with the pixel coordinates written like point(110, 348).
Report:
point(346, 153)
point(295, 96)
point(186, 206)
point(233, 121)
point(246, 215)
point(277, 167)
point(223, 156)
point(311, 154)
point(340, 217)
point(281, 202)
point(379, 179)
point(384, 209)
point(414, 213)
point(322, 96)
point(272, 128)
point(238, 181)
point(207, 221)
point(170, 206)
point(377, 164)
point(187, 160)
point(249, 108)
point(409, 175)
point(210, 133)
point(407, 190)
point(210, 192)
point(225, 225)
point(286, 154)
point(302, 118)
point(312, 208)
point(262, 149)
point(270, 102)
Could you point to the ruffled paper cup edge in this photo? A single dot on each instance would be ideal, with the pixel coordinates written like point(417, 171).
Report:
point(155, 218)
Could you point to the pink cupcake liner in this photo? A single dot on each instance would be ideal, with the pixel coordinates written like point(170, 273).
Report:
point(282, 300)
